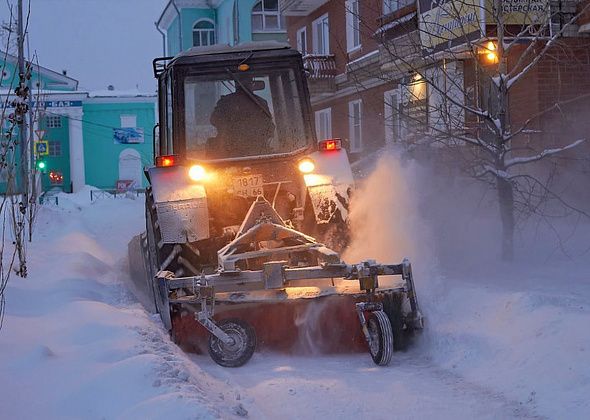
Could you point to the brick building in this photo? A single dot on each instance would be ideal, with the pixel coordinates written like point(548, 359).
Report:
point(362, 56)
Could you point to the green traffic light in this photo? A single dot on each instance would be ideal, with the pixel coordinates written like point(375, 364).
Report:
point(41, 165)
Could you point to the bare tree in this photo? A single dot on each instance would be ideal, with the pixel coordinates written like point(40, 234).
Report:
point(17, 202)
point(462, 66)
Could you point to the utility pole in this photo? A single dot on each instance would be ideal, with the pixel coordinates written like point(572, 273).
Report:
point(23, 93)
point(21, 111)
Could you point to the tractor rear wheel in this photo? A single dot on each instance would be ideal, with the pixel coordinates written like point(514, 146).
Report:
point(240, 350)
point(381, 334)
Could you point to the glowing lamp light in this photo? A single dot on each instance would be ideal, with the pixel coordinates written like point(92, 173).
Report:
point(490, 52)
point(329, 145)
point(197, 173)
point(306, 166)
point(166, 161)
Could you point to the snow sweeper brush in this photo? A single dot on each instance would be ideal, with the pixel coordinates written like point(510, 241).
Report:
point(286, 292)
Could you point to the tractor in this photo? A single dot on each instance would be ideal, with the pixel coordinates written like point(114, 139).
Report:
point(246, 213)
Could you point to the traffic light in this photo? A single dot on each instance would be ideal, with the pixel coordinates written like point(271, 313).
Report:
point(41, 165)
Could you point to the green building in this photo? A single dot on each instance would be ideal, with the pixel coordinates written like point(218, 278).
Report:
point(189, 23)
point(103, 139)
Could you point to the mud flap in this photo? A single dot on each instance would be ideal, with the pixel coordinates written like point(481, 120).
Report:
point(329, 202)
point(330, 186)
point(139, 274)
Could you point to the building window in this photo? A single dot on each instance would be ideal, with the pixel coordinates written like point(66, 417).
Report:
point(355, 125)
point(54, 148)
point(323, 123)
point(53, 121)
point(203, 33)
point(321, 35)
point(266, 17)
point(353, 27)
point(128, 121)
point(302, 40)
point(390, 6)
point(392, 121)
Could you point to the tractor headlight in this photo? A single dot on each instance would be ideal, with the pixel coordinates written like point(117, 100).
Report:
point(306, 166)
point(197, 173)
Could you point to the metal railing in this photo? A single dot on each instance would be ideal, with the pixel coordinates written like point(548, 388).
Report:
point(114, 193)
point(320, 66)
point(48, 199)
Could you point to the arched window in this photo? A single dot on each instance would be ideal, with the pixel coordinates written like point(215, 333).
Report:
point(203, 33)
point(266, 16)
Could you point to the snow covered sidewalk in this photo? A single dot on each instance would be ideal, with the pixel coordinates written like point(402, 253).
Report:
point(75, 343)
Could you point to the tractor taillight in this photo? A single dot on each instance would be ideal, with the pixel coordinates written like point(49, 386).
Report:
point(165, 161)
point(329, 145)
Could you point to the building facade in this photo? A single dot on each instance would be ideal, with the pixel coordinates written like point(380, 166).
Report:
point(195, 23)
point(103, 139)
point(366, 59)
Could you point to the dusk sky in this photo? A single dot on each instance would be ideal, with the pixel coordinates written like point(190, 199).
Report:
point(98, 42)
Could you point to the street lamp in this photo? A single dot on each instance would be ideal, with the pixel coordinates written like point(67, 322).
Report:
point(490, 52)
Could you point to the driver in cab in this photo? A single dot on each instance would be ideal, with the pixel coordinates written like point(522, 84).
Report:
point(243, 121)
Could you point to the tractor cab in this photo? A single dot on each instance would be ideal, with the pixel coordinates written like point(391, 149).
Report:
point(238, 120)
point(225, 103)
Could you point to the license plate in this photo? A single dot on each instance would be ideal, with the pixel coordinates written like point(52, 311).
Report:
point(248, 185)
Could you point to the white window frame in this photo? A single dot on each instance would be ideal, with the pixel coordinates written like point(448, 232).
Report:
point(54, 148)
point(327, 114)
point(302, 46)
point(391, 103)
point(356, 145)
point(264, 13)
point(390, 6)
point(322, 48)
point(353, 25)
point(128, 121)
point(204, 33)
point(53, 121)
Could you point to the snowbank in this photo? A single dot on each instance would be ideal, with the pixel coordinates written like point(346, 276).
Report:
point(75, 343)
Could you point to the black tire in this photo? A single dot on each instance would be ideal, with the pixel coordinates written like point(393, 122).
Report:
point(243, 348)
point(381, 345)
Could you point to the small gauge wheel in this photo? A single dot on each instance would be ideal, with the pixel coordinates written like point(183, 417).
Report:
point(381, 338)
point(240, 350)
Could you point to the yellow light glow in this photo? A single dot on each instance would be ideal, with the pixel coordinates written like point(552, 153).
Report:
point(197, 173)
point(306, 166)
point(490, 52)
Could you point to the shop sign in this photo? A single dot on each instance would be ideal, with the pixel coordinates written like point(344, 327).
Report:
point(128, 135)
point(445, 24)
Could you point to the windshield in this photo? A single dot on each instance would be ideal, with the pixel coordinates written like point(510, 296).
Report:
point(238, 114)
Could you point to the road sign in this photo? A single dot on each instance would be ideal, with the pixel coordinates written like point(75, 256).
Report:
point(42, 148)
point(40, 134)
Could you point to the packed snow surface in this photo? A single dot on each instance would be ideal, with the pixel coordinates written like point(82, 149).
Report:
point(502, 340)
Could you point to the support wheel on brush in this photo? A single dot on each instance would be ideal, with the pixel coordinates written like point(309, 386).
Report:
point(381, 344)
point(242, 348)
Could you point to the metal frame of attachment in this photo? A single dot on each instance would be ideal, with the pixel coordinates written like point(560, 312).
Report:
point(263, 224)
point(277, 275)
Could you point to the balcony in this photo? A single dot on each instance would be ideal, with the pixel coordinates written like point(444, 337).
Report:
point(321, 73)
point(300, 7)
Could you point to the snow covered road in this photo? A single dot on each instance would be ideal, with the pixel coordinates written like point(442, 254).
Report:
point(352, 387)
point(504, 342)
